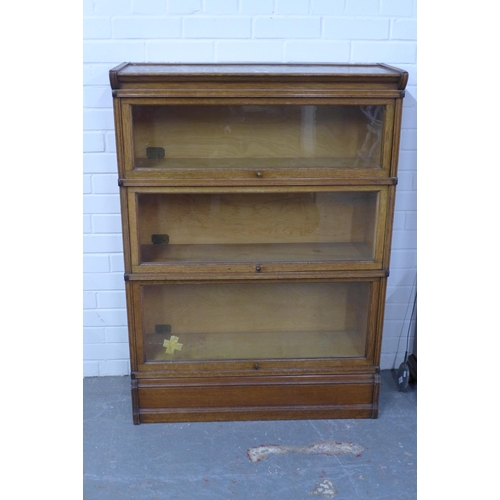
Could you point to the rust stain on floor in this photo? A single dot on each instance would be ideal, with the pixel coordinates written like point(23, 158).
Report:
point(258, 453)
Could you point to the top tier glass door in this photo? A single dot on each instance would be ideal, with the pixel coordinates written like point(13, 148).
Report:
point(173, 137)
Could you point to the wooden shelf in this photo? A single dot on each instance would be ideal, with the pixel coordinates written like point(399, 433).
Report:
point(257, 345)
point(248, 253)
point(255, 163)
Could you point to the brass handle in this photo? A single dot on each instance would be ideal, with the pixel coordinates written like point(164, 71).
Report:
point(259, 174)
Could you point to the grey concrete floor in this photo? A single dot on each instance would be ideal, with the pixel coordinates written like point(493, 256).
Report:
point(210, 461)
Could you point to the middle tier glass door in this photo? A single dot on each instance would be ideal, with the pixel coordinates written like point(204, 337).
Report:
point(257, 229)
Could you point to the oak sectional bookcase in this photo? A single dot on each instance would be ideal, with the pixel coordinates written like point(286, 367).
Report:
point(257, 205)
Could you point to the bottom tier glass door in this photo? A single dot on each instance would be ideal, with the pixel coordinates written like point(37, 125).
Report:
point(221, 321)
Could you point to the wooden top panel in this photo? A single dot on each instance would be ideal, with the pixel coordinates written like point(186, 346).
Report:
point(147, 73)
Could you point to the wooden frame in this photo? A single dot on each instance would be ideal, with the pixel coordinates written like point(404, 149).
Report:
point(178, 105)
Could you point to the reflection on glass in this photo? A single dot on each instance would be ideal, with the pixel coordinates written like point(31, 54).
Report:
point(257, 227)
point(373, 138)
point(256, 136)
point(255, 321)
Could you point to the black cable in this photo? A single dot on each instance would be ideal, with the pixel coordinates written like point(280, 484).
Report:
point(414, 287)
point(409, 325)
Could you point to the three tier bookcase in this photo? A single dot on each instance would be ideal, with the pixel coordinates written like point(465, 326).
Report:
point(257, 205)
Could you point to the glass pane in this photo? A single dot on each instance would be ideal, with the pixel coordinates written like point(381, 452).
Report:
point(255, 321)
point(256, 227)
point(257, 136)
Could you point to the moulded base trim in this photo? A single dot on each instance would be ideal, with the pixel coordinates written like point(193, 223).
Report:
point(166, 415)
point(274, 398)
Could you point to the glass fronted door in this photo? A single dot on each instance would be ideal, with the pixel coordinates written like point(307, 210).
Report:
point(257, 228)
point(225, 321)
point(258, 138)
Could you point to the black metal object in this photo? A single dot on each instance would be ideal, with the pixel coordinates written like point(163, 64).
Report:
point(163, 328)
point(159, 239)
point(155, 153)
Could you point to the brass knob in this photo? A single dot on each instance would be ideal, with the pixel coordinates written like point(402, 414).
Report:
point(259, 174)
point(258, 269)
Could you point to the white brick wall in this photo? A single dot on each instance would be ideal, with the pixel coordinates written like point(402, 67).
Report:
point(205, 31)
